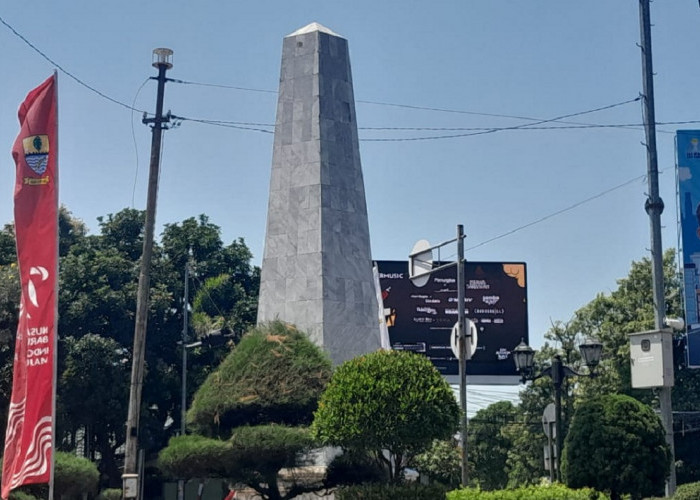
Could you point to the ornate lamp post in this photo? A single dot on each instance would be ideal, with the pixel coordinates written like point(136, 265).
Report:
point(524, 357)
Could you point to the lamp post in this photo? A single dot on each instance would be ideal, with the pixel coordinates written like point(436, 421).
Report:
point(420, 267)
point(183, 395)
point(524, 358)
point(162, 62)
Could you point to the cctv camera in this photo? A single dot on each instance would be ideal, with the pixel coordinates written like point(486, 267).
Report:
point(676, 324)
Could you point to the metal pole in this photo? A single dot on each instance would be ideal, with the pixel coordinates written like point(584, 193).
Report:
point(132, 424)
point(654, 207)
point(550, 444)
point(183, 400)
point(461, 321)
point(557, 379)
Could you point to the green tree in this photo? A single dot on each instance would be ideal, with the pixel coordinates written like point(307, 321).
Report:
point(94, 392)
point(97, 297)
point(71, 230)
point(251, 413)
point(389, 401)
point(628, 309)
point(488, 445)
point(441, 462)
point(73, 477)
point(525, 457)
point(610, 317)
point(616, 444)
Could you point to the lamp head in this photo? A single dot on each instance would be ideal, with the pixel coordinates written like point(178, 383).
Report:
point(162, 57)
point(524, 358)
point(591, 352)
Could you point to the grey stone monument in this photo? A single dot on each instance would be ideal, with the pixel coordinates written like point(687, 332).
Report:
point(317, 266)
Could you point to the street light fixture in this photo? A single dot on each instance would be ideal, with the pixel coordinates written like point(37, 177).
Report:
point(524, 358)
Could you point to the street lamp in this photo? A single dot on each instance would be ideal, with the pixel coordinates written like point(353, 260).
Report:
point(524, 358)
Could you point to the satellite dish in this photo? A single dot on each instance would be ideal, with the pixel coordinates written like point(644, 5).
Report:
point(420, 263)
point(472, 339)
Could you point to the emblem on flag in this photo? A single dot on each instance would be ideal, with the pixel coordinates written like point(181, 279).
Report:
point(36, 152)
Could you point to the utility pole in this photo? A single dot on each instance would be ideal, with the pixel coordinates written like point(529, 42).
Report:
point(654, 206)
point(420, 268)
point(163, 62)
point(183, 401)
point(462, 358)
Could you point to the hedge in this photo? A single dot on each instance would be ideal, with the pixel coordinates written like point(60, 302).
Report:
point(543, 492)
point(390, 492)
point(688, 491)
point(110, 494)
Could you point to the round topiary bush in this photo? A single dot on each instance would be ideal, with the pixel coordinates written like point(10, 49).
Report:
point(688, 491)
point(74, 475)
point(274, 375)
point(110, 494)
point(386, 400)
point(20, 495)
point(616, 444)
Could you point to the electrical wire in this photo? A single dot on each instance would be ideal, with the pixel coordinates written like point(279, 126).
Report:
point(136, 148)
point(228, 124)
point(64, 71)
point(247, 89)
point(406, 106)
point(244, 126)
point(559, 212)
point(514, 127)
point(211, 299)
point(480, 130)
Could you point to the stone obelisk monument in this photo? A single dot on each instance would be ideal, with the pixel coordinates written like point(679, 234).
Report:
point(317, 266)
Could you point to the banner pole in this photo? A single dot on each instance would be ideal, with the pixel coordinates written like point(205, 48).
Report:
point(54, 381)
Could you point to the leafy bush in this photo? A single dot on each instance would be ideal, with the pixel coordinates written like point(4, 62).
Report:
point(390, 492)
point(386, 400)
point(74, 475)
point(110, 494)
point(441, 462)
point(616, 444)
point(542, 492)
point(265, 449)
point(188, 457)
point(274, 375)
point(352, 468)
point(688, 491)
point(20, 495)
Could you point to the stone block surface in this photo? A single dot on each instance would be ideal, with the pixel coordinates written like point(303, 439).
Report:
point(317, 264)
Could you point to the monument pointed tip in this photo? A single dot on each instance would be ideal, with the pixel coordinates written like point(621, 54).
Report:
point(310, 28)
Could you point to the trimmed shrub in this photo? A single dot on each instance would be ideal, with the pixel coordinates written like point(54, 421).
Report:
point(617, 444)
point(386, 401)
point(194, 456)
point(554, 491)
point(688, 491)
point(110, 494)
point(74, 475)
point(265, 449)
point(274, 375)
point(352, 468)
point(390, 492)
point(20, 495)
point(442, 462)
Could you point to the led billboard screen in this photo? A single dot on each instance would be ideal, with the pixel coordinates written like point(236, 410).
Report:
point(688, 164)
point(421, 319)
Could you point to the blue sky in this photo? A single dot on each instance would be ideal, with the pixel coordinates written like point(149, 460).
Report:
point(487, 62)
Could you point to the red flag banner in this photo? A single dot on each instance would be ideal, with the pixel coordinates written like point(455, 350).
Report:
point(29, 437)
